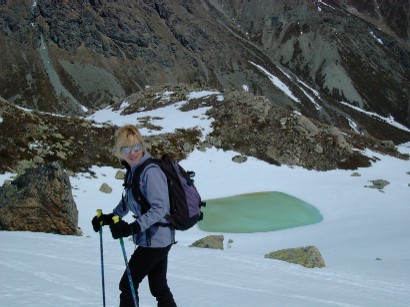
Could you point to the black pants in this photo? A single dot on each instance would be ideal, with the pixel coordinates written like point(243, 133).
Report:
point(151, 262)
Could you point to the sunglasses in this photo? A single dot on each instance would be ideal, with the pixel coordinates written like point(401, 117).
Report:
point(127, 149)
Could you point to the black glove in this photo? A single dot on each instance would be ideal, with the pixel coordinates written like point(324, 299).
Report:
point(123, 229)
point(103, 219)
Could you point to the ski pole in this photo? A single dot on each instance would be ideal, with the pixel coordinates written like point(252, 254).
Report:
point(116, 220)
point(99, 212)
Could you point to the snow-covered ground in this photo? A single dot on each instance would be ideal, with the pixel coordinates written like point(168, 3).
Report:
point(364, 239)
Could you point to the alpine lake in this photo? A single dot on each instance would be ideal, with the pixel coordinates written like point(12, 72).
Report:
point(257, 212)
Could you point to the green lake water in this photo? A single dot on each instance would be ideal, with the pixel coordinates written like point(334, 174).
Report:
point(257, 212)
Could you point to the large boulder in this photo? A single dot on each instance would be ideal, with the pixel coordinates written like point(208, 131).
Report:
point(211, 241)
point(39, 200)
point(309, 256)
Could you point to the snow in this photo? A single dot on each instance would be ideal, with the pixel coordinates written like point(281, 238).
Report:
point(353, 125)
point(332, 7)
point(376, 38)
point(363, 238)
point(389, 120)
point(169, 117)
point(276, 81)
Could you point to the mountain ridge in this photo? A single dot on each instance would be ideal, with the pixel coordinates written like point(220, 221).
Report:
point(333, 62)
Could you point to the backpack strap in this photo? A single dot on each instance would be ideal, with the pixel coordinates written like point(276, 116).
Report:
point(136, 191)
point(135, 186)
point(125, 183)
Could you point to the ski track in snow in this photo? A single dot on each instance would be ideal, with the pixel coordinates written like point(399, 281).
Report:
point(280, 271)
point(203, 269)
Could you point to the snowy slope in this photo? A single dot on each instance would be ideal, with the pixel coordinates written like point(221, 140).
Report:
point(360, 225)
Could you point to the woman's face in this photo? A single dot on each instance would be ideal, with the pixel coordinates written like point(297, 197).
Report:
point(132, 153)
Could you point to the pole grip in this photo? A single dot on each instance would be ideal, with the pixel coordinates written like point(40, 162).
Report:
point(116, 219)
point(99, 212)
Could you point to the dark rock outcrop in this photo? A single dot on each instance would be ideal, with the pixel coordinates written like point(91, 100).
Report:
point(39, 200)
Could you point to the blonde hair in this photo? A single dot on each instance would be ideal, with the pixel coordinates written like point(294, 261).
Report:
point(126, 136)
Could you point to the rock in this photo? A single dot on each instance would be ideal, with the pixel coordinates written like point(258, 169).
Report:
point(229, 245)
point(387, 144)
point(378, 184)
point(39, 200)
point(187, 147)
point(239, 159)
point(120, 175)
point(306, 126)
point(58, 136)
point(212, 241)
point(318, 149)
point(62, 155)
point(212, 141)
point(308, 257)
point(38, 160)
point(105, 188)
point(355, 174)
point(341, 141)
point(22, 165)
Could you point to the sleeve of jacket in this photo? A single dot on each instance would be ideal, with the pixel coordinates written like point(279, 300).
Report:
point(155, 188)
point(119, 210)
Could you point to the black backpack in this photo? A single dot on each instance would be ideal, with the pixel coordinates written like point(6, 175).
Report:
point(185, 201)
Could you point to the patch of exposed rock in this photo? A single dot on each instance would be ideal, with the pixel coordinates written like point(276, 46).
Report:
point(252, 125)
point(378, 184)
point(105, 188)
point(39, 200)
point(212, 241)
point(248, 124)
point(308, 257)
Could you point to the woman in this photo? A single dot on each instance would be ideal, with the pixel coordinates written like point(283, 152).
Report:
point(154, 241)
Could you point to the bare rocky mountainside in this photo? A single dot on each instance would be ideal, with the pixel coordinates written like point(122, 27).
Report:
point(249, 124)
point(305, 82)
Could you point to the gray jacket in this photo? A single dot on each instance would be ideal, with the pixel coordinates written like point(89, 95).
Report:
point(153, 184)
